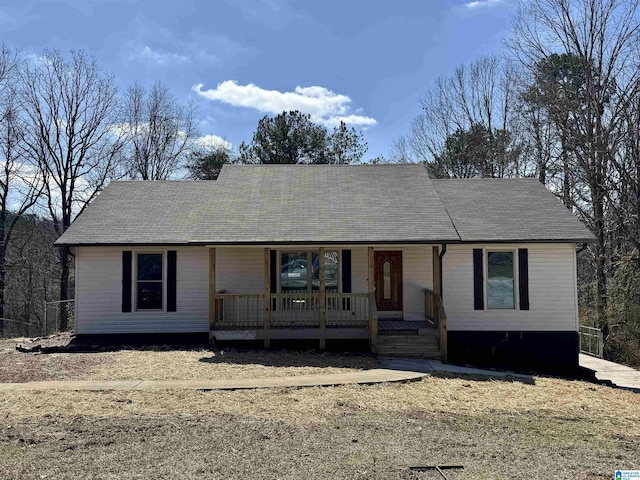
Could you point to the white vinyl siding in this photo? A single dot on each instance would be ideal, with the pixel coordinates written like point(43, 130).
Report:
point(552, 287)
point(240, 270)
point(359, 270)
point(552, 283)
point(417, 274)
point(99, 294)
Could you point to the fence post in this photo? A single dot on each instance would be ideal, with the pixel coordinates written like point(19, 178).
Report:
point(600, 344)
point(44, 320)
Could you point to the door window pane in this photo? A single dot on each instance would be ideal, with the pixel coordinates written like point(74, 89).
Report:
point(500, 280)
point(386, 280)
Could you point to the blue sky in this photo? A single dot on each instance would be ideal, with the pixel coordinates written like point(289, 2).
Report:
point(365, 62)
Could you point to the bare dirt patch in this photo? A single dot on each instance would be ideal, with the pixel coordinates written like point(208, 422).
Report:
point(496, 429)
point(165, 363)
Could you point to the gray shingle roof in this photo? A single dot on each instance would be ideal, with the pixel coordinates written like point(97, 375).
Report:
point(320, 203)
point(139, 212)
point(508, 210)
point(323, 204)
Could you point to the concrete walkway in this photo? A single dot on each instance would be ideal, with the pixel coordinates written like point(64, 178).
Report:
point(365, 377)
point(619, 375)
point(394, 370)
point(436, 366)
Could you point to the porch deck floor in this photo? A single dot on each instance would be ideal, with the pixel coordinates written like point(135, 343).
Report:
point(398, 324)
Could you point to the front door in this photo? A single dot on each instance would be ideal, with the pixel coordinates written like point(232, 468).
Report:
point(388, 281)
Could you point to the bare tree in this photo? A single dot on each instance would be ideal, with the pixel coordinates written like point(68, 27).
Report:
point(69, 106)
point(476, 96)
point(159, 132)
point(19, 182)
point(602, 35)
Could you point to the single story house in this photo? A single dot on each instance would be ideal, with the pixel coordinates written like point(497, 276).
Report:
point(479, 271)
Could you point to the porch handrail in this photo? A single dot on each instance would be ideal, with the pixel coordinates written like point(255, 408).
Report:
point(430, 307)
point(234, 310)
point(291, 309)
point(347, 309)
point(295, 309)
point(591, 341)
point(434, 311)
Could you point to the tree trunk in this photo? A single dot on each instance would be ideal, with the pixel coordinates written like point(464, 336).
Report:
point(64, 287)
point(566, 182)
point(600, 253)
point(3, 253)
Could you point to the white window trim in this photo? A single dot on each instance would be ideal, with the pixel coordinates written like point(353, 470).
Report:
point(516, 278)
point(309, 254)
point(135, 281)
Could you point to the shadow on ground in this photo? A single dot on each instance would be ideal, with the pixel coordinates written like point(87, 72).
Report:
point(286, 358)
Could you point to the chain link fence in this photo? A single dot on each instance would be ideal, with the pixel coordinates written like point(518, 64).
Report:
point(10, 328)
point(59, 316)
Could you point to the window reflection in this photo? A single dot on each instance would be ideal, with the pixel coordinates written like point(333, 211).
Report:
point(300, 271)
point(500, 280)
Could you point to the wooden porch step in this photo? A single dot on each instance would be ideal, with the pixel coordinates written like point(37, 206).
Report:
point(409, 346)
point(423, 332)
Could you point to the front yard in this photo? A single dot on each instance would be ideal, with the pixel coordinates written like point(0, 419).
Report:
point(170, 364)
point(550, 428)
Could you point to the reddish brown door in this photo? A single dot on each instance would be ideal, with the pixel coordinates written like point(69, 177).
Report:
point(388, 279)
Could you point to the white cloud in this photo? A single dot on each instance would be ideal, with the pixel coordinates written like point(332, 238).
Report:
point(163, 47)
point(158, 57)
point(213, 142)
point(324, 105)
point(482, 3)
point(125, 131)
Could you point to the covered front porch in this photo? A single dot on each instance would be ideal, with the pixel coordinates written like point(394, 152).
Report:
point(328, 310)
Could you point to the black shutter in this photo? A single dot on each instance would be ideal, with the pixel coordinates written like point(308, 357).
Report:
point(523, 277)
point(126, 281)
point(346, 271)
point(171, 281)
point(274, 271)
point(346, 278)
point(478, 280)
point(273, 274)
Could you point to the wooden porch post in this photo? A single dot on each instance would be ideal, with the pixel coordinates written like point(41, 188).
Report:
point(212, 290)
point(267, 298)
point(373, 323)
point(436, 270)
point(323, 303)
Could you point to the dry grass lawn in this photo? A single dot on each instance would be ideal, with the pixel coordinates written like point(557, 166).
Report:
point(184, 364)
point(497, 429)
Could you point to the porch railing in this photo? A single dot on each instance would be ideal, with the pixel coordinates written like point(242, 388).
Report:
point(434, 311)
point(295, 310)
point(347, 309)
point(290, 310)
point(239, 311)
point(591, 341)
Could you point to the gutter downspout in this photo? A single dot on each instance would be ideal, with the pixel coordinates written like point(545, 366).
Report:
point(440, 256)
